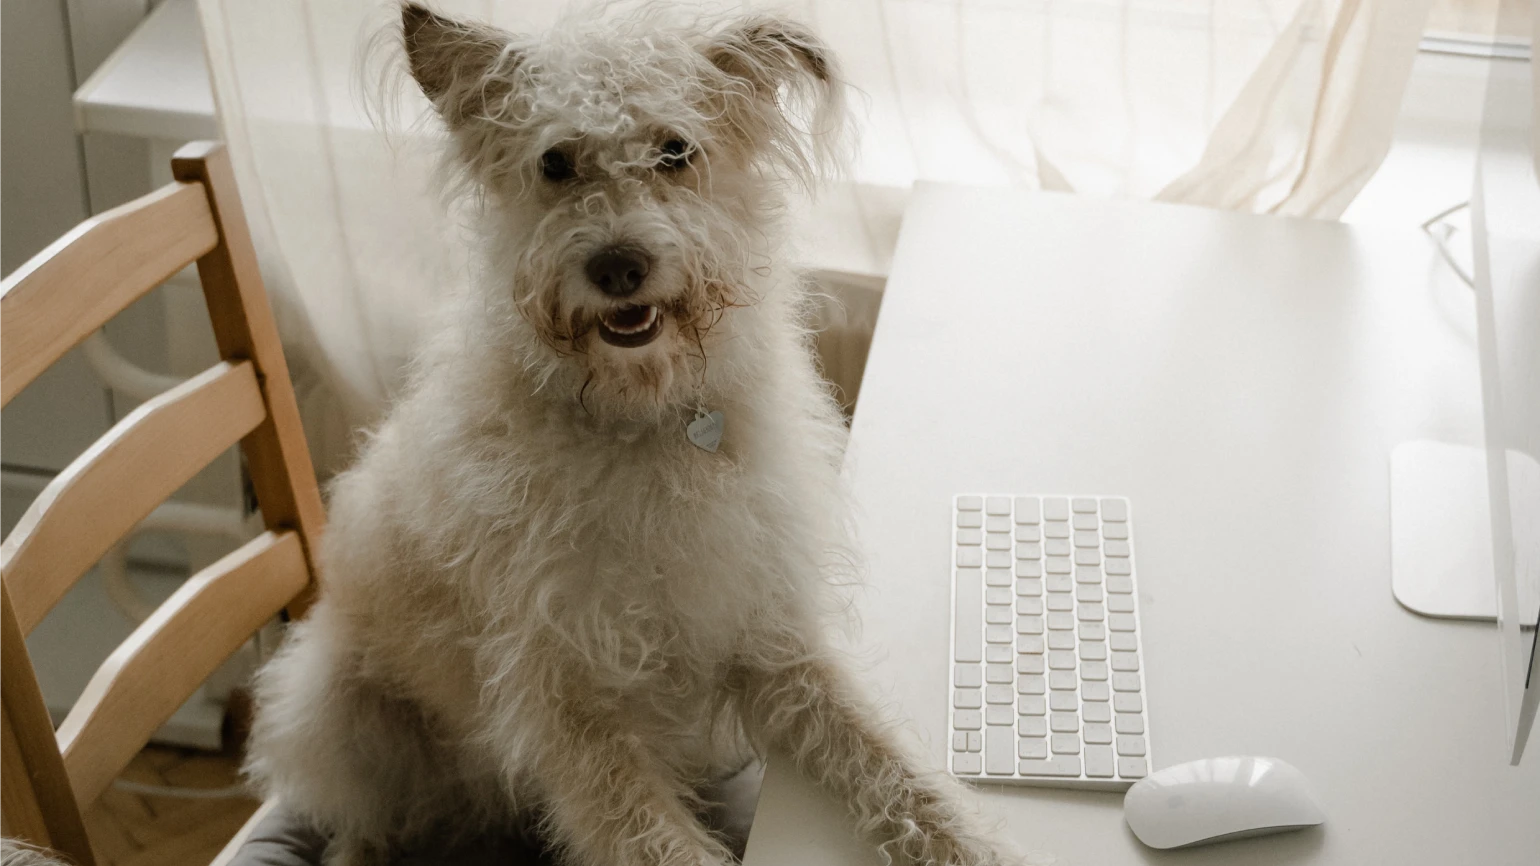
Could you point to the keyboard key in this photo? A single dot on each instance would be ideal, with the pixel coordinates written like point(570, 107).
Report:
point(1085, 521)
point(998, 674)
point(1125, 661)
point(1056, 508)
point(1131, 746)
point(1030, 623)
point(997, 558)
point(1029, 568)
point(999, 751)
point(1029, 551)
point(1063, 702)
point(1087, 539)
point(1030, 664)
point(1056, 547)
point(1128, 702)
point(1094, 691)
point(1120, 603)
point(967, 699)
point(997, 595)
point(1061, 661)
point(1125, 642)
point(1099, 734)
point(969, 557)
point(1027, 605)
point(1061, 620)
point(997, 577)
point(1059, 765)
point(1055, 565)
point(1128, 723)
point(1059, 583)
point(1027, 510)
point(1032, 684)
point(1098, 711)
point(998, 614)
point(1029, 586)
point(997, 505)
point(960, 741)
point(967, 764)
point(1032, 726)
point(975, 741)
point(999, 694)
point(1088, 592)
point(1063, 681)
point(1098, 762)
point(1064, 744)
point(969, 537)
point(1093, 651)
point(1115, 531)
point(997, 523)
point(1132, 768)
point(1061, 640)
point(998, 541)
point(1083, 506)
point(1114, 510)
point(998, 715)
point(1090, 613)
point(970, 503)
point(997, 634)
point(1125, 682)
point(997, 654)
point(1088, 574)
point(1093, 631)
point(1064, 723)
point(1087, 557)
point(969, 520)
point(1034, 748)
point(1026, 534)
point(1121, 584)
point(1095, 672)
point(966, 676)
point(1061, 601)
point(1116, 548)
point(1118, 566)
point(1056, 529)
point(966, 626)
point(1121, 622)
point(1031, 705)
point(1029, 644)
point(967, 720)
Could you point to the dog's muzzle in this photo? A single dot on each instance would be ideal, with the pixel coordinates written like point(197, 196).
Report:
point(631, 326)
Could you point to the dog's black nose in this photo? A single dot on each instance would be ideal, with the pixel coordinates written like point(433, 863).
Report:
point(617, 271)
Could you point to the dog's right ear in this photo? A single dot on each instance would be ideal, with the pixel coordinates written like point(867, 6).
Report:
point(465, 69)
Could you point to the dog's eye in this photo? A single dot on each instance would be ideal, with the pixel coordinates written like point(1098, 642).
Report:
point(676, 154)
point(556, 165)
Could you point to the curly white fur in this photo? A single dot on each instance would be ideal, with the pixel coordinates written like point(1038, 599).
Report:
point(541, 602)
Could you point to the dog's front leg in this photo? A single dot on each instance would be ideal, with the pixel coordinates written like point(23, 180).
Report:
point(801, 705)
point(610, 802)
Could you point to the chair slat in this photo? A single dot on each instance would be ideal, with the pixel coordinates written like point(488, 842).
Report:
point(164, 661)
point(83, 279)
point(120, 479)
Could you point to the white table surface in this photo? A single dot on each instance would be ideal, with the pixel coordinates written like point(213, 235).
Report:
point(156, 84)
point(1242, 379)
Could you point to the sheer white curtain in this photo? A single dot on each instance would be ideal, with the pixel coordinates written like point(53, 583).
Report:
point(1280, 106)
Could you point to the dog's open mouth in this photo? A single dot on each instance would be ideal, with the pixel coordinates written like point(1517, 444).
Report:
point(631, 326)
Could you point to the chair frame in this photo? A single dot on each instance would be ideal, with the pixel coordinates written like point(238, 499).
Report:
point(48, 306)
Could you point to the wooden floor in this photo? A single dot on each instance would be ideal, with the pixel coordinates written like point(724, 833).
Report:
point(133, 829)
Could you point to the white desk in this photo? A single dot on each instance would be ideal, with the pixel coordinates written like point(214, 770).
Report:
point(1243, 380)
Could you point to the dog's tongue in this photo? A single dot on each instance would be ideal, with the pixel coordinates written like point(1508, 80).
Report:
point(629, 319)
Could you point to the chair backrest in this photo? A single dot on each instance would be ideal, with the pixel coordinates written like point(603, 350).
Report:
point(49, 305)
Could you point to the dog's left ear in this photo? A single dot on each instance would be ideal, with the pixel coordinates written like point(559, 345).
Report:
point(465, 69)
point(793, 74)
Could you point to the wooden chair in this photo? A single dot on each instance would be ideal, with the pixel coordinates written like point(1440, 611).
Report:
point(49, 305)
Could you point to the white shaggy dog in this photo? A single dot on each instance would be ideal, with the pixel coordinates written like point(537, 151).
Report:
point(556, 590)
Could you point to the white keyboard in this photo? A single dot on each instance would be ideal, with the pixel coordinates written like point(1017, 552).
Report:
point(1047, 681)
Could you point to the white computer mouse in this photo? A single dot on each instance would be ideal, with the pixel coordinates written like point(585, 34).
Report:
point(1217, 799)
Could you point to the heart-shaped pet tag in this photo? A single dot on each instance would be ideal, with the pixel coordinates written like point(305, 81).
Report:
point(705, 431)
